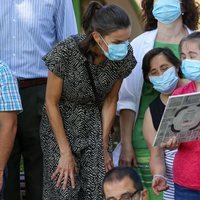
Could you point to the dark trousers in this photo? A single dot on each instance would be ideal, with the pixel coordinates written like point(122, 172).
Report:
point(27, 145)
point(4, 183)
point(182, 193)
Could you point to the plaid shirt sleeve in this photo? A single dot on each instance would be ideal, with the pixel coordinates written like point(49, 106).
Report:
point(9, 94)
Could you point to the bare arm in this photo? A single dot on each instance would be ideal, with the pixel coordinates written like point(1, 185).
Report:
point(127, 119)
point(108, 116)
point(157, 161)
point(8, 127)
point(66, 166)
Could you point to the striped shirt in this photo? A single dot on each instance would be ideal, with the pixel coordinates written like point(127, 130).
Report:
point(169, 159)
point(9, 94)
point(29, 29)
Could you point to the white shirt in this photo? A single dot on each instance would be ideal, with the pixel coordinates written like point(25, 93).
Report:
point(131, 89)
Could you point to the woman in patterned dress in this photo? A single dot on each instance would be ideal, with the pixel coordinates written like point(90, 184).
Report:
point(80, 104)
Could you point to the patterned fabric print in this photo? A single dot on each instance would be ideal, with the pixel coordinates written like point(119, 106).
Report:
point(9, 93)
point(81, 119)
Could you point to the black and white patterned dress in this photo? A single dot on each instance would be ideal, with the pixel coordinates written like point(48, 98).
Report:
point(81, 119)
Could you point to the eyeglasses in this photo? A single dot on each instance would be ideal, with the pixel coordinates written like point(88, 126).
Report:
point(128, 196)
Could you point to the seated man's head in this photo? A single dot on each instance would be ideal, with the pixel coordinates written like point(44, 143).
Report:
point(123, 183)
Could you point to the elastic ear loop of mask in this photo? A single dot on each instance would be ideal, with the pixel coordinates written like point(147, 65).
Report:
point(104, 42)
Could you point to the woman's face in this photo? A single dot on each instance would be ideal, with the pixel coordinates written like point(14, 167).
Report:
point(116, 37)
point(166, 11)
point(190, 50)
point(158, 65)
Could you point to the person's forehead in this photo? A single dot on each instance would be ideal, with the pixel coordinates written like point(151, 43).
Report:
point(158, 60)
point(116, 188)
point(190, 45)
point(121, 33)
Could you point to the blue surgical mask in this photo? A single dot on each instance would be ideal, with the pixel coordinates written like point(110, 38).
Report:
point(116, 51)
point(191, 69)
point(166, 11)
point(165, 83)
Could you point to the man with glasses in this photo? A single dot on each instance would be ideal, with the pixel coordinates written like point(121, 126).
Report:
point(123, 183)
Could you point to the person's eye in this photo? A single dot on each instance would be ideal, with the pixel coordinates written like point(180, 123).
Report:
point(192, 57)
point(153, 73)
point(117, 42)
point(126, 198)
point(165, 68)
point(183, 57)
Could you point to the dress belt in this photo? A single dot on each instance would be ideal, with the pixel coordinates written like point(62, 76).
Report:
point(31, 82)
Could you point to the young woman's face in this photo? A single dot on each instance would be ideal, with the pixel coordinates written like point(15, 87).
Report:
point(158, 65)
point(190, 50)
point(116, 37)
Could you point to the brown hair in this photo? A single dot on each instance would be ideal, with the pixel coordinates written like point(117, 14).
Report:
point(190, 9)
point(103, 19)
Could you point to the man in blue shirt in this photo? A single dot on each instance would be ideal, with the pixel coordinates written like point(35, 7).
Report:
point(10, 104)
point(29, 29)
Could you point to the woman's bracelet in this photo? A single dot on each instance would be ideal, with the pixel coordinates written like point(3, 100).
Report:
point(159, 176)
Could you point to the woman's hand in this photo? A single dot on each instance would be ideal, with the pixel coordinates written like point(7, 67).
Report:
point(65, 170)
point(127, 156)
point(107, 161)
point(159, 184)
point(171, 144)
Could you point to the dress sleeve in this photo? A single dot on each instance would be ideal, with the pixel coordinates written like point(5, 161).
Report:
point(127, 64)
point(57, 59)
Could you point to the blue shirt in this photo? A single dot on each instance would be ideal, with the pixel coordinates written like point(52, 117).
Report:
point(9, 94)
point(29, 29)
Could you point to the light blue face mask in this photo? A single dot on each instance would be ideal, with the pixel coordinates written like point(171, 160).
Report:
point(165, 83)
point(166, 11)
point(116, 51)
point(191, 69)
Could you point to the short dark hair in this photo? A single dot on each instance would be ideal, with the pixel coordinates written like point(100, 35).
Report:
point(104, 19)
point(154, 52)
point(119, 173)
point(193, 36)
point(191, 10)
